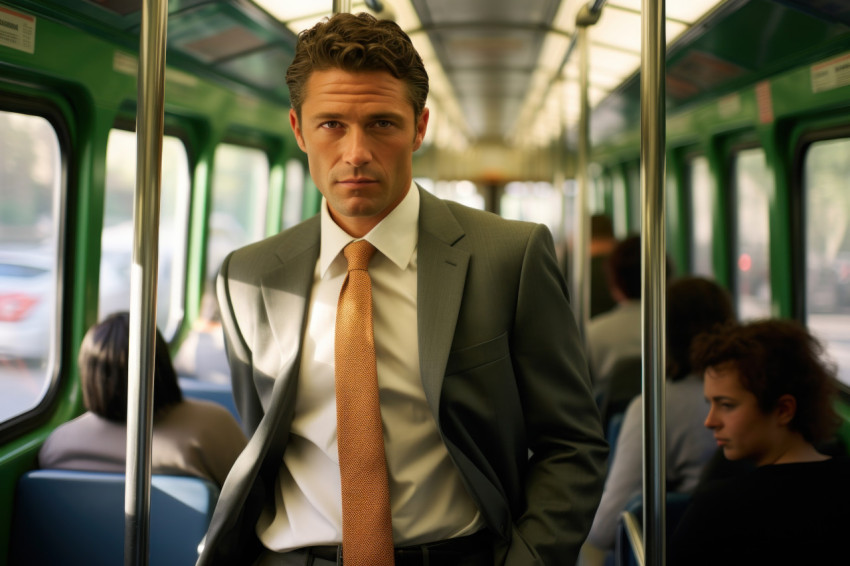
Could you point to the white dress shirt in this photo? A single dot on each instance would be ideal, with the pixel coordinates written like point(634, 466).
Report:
point(429, 501)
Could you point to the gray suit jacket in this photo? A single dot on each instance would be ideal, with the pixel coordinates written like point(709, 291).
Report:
point(502, 366)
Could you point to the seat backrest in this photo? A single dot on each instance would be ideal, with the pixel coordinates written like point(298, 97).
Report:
point(624, 384)
point(71, 517)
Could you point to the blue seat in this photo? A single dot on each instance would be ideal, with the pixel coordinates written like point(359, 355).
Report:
point(628, 544)
point(208, 391)
point(69, 518)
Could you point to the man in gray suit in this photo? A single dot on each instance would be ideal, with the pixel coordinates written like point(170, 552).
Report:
point(493, 443)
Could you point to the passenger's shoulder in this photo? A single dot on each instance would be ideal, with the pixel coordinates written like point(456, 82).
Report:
point(195, 414)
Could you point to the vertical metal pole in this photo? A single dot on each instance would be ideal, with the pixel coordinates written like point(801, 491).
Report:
point(340, 6)
point(143, 276)
point(654, 277)
point(581, 245)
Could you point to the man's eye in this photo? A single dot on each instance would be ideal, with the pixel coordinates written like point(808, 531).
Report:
point(383, 123)
point(330, 124)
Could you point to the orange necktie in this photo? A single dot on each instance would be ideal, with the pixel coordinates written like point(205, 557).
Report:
point(367, 533)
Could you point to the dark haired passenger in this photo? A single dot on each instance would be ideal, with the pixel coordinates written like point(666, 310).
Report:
point(190, 437)
point(602, 243)
point(616, 334)
point(770, 393)
point(694, 305)
point(476, 362)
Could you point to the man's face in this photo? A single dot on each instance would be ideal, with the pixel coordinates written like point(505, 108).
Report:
point(359, 133)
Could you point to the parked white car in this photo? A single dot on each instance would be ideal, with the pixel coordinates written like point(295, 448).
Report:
point(27, 303)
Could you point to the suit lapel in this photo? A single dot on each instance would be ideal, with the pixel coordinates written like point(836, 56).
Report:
point(441, 275)
point(286, 294)
point(442, 267)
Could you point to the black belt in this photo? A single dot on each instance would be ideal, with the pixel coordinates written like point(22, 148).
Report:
point(442, 553)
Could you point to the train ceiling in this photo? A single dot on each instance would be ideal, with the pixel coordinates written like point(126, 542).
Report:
point(499, 68)
point(497, 62)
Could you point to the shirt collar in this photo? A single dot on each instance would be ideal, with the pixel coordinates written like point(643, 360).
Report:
point(395, 236)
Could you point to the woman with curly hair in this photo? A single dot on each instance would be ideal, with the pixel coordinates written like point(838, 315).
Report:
point(770, 395)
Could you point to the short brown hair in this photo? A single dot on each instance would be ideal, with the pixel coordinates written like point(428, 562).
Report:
point(357, 43)
point(774, 358)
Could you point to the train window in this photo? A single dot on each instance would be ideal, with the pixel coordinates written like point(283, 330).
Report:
point(240, 188)
point(464, 192)
point(293, 195)
point(533, 201)
point(753, 184)
point(117, 237)
point(620, 204)
point(699, 182)
point(596, 180)
point(30, 186)
point(827, 205)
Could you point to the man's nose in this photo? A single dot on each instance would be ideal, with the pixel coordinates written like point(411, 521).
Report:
point(357, 152)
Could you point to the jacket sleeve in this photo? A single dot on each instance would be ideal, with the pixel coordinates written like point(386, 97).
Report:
point(568, 452)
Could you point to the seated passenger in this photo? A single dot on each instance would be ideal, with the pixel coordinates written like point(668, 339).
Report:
point(694, 305)
point(615, 334)
point(190, 437)
point(201, 355)
point(602, 243)
point(770, 396)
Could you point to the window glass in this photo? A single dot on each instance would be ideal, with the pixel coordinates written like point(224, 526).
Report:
point(621, 209)
point(753, 184)
point(30, 186)
point(464, 192)
point(293, 195)
point(117, 238)
point(240, 191)
point(538, 202)
point(827, 205)
point(699, 181)
point(595, 188)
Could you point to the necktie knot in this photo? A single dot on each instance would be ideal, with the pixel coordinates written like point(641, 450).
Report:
point(358, 255)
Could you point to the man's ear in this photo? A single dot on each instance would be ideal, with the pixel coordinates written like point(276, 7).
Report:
point(296, 129)
point(421, 128)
